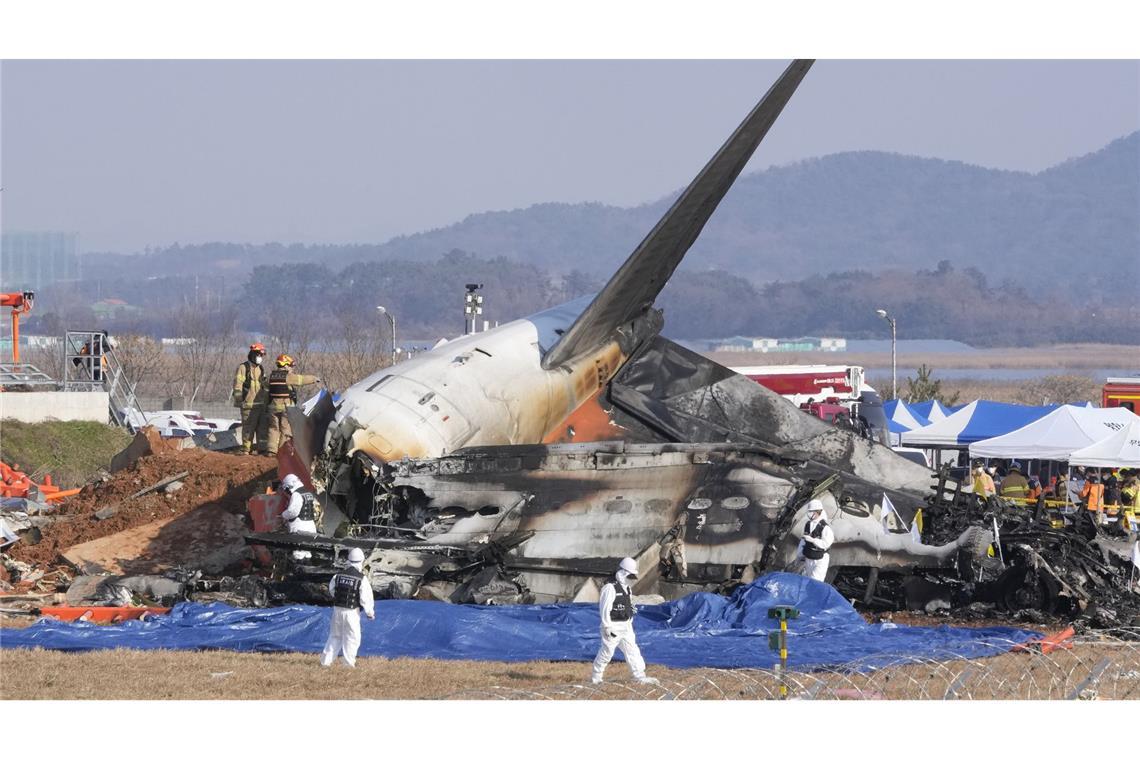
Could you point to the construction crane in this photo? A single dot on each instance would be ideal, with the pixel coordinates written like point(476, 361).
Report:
point(21, 303)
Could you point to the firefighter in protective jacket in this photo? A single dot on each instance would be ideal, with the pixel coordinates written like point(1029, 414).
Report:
point(351, 593)
point(250, 395)
point(282, 391)
point(615, 605)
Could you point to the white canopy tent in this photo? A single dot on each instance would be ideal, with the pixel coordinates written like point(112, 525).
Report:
point(1056, 435)
point(1121, 449)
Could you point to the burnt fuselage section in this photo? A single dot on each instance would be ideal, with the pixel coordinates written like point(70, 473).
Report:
point(693, 515)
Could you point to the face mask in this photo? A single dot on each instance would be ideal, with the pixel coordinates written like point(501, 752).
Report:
point(257, 360)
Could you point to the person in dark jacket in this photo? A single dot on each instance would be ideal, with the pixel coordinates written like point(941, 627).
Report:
point(1014, 485)
point(615, 606)
point(351, 593)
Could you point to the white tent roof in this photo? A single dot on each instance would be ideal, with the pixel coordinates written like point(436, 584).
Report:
point(932, 410)
point(974, 422)
point(1121, 449)
point(1057, 434)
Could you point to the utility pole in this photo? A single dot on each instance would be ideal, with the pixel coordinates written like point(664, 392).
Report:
point(894, 355)
point(392, 319)
point(472, 307)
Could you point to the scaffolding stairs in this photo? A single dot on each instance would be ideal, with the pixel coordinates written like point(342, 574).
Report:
point(90, 364)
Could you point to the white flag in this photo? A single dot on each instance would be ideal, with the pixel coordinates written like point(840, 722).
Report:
point(887, 510)
point(1136, 554)
point(915, 535)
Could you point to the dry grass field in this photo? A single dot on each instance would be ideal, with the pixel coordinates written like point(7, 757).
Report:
point(1063, 358)
point(123, 674)
point(1093, 669)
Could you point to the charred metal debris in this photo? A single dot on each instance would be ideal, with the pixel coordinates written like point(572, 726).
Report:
point(520, 524)
point(1045, 564)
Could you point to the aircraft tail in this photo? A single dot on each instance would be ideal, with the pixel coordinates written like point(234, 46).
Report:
point(632, 290)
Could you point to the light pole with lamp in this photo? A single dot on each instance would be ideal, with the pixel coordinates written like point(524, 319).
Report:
point(392, 319)
point(894, 363)
point(472, 306)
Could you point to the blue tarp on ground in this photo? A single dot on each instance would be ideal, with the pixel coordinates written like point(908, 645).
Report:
point(700, 630)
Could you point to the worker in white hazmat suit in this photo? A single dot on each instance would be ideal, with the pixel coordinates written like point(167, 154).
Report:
point(816, 541)
point(300, 513)
point(351, 594)
point(616, 609)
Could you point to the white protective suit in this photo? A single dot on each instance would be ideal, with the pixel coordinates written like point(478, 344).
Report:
point(816, 568)
point(308, 527)
point(344, 630)
point(617, 634)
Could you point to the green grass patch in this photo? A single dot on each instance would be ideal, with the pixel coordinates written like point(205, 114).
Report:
point(71, 452)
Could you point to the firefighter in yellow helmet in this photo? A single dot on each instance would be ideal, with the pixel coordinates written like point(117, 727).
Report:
point(249, 394)
point(282, 388)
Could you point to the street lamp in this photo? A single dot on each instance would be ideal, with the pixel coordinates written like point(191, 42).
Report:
point(392, 319)
point(894, 363)
point(472, 306)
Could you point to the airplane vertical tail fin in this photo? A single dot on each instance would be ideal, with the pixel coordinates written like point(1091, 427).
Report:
point(632, 290)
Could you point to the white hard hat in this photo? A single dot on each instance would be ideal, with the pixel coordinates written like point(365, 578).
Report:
point(815, 505)
point(628, 565)
point(356, 556)
point(291, 482)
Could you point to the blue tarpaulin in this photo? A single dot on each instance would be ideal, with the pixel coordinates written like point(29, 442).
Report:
point(699, 630)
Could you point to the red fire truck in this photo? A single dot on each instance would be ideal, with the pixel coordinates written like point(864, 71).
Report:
point(835, 393)
point(1121, 391)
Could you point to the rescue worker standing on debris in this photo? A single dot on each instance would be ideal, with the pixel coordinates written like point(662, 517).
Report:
point(817, 539)
point(615, 606)
point(250, 395)
point(300, 513)
point(351, 593)
point(282, 387)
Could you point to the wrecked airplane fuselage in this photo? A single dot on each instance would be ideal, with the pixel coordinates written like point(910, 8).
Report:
point(551, 519)
point(448, 462)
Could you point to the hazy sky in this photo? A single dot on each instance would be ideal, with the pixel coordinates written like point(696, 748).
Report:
point(132, 154)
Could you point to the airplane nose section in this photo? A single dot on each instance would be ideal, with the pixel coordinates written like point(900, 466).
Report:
point(385, 429)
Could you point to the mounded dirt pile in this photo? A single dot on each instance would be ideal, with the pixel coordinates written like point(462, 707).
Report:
point(223, 481)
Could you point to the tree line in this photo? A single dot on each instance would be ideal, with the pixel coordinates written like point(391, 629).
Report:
point(306, 305)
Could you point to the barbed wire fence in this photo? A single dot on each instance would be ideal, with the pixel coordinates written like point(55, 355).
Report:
point(1102, 665)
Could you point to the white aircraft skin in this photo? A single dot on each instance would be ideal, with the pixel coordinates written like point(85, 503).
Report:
point(483, 389)
point(491, 388)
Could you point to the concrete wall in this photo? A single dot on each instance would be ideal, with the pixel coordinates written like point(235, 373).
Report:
point(55, 405)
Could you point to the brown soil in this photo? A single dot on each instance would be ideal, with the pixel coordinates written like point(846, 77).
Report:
point(221, 481)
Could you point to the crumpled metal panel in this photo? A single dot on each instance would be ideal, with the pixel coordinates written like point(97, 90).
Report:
point(673, 394)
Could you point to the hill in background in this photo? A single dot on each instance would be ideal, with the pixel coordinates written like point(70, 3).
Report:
point(867, 210)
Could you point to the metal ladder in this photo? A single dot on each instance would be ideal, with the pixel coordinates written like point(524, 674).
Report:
point(90, 365)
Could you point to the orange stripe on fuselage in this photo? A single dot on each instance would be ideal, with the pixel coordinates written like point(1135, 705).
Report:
point(589, 422)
